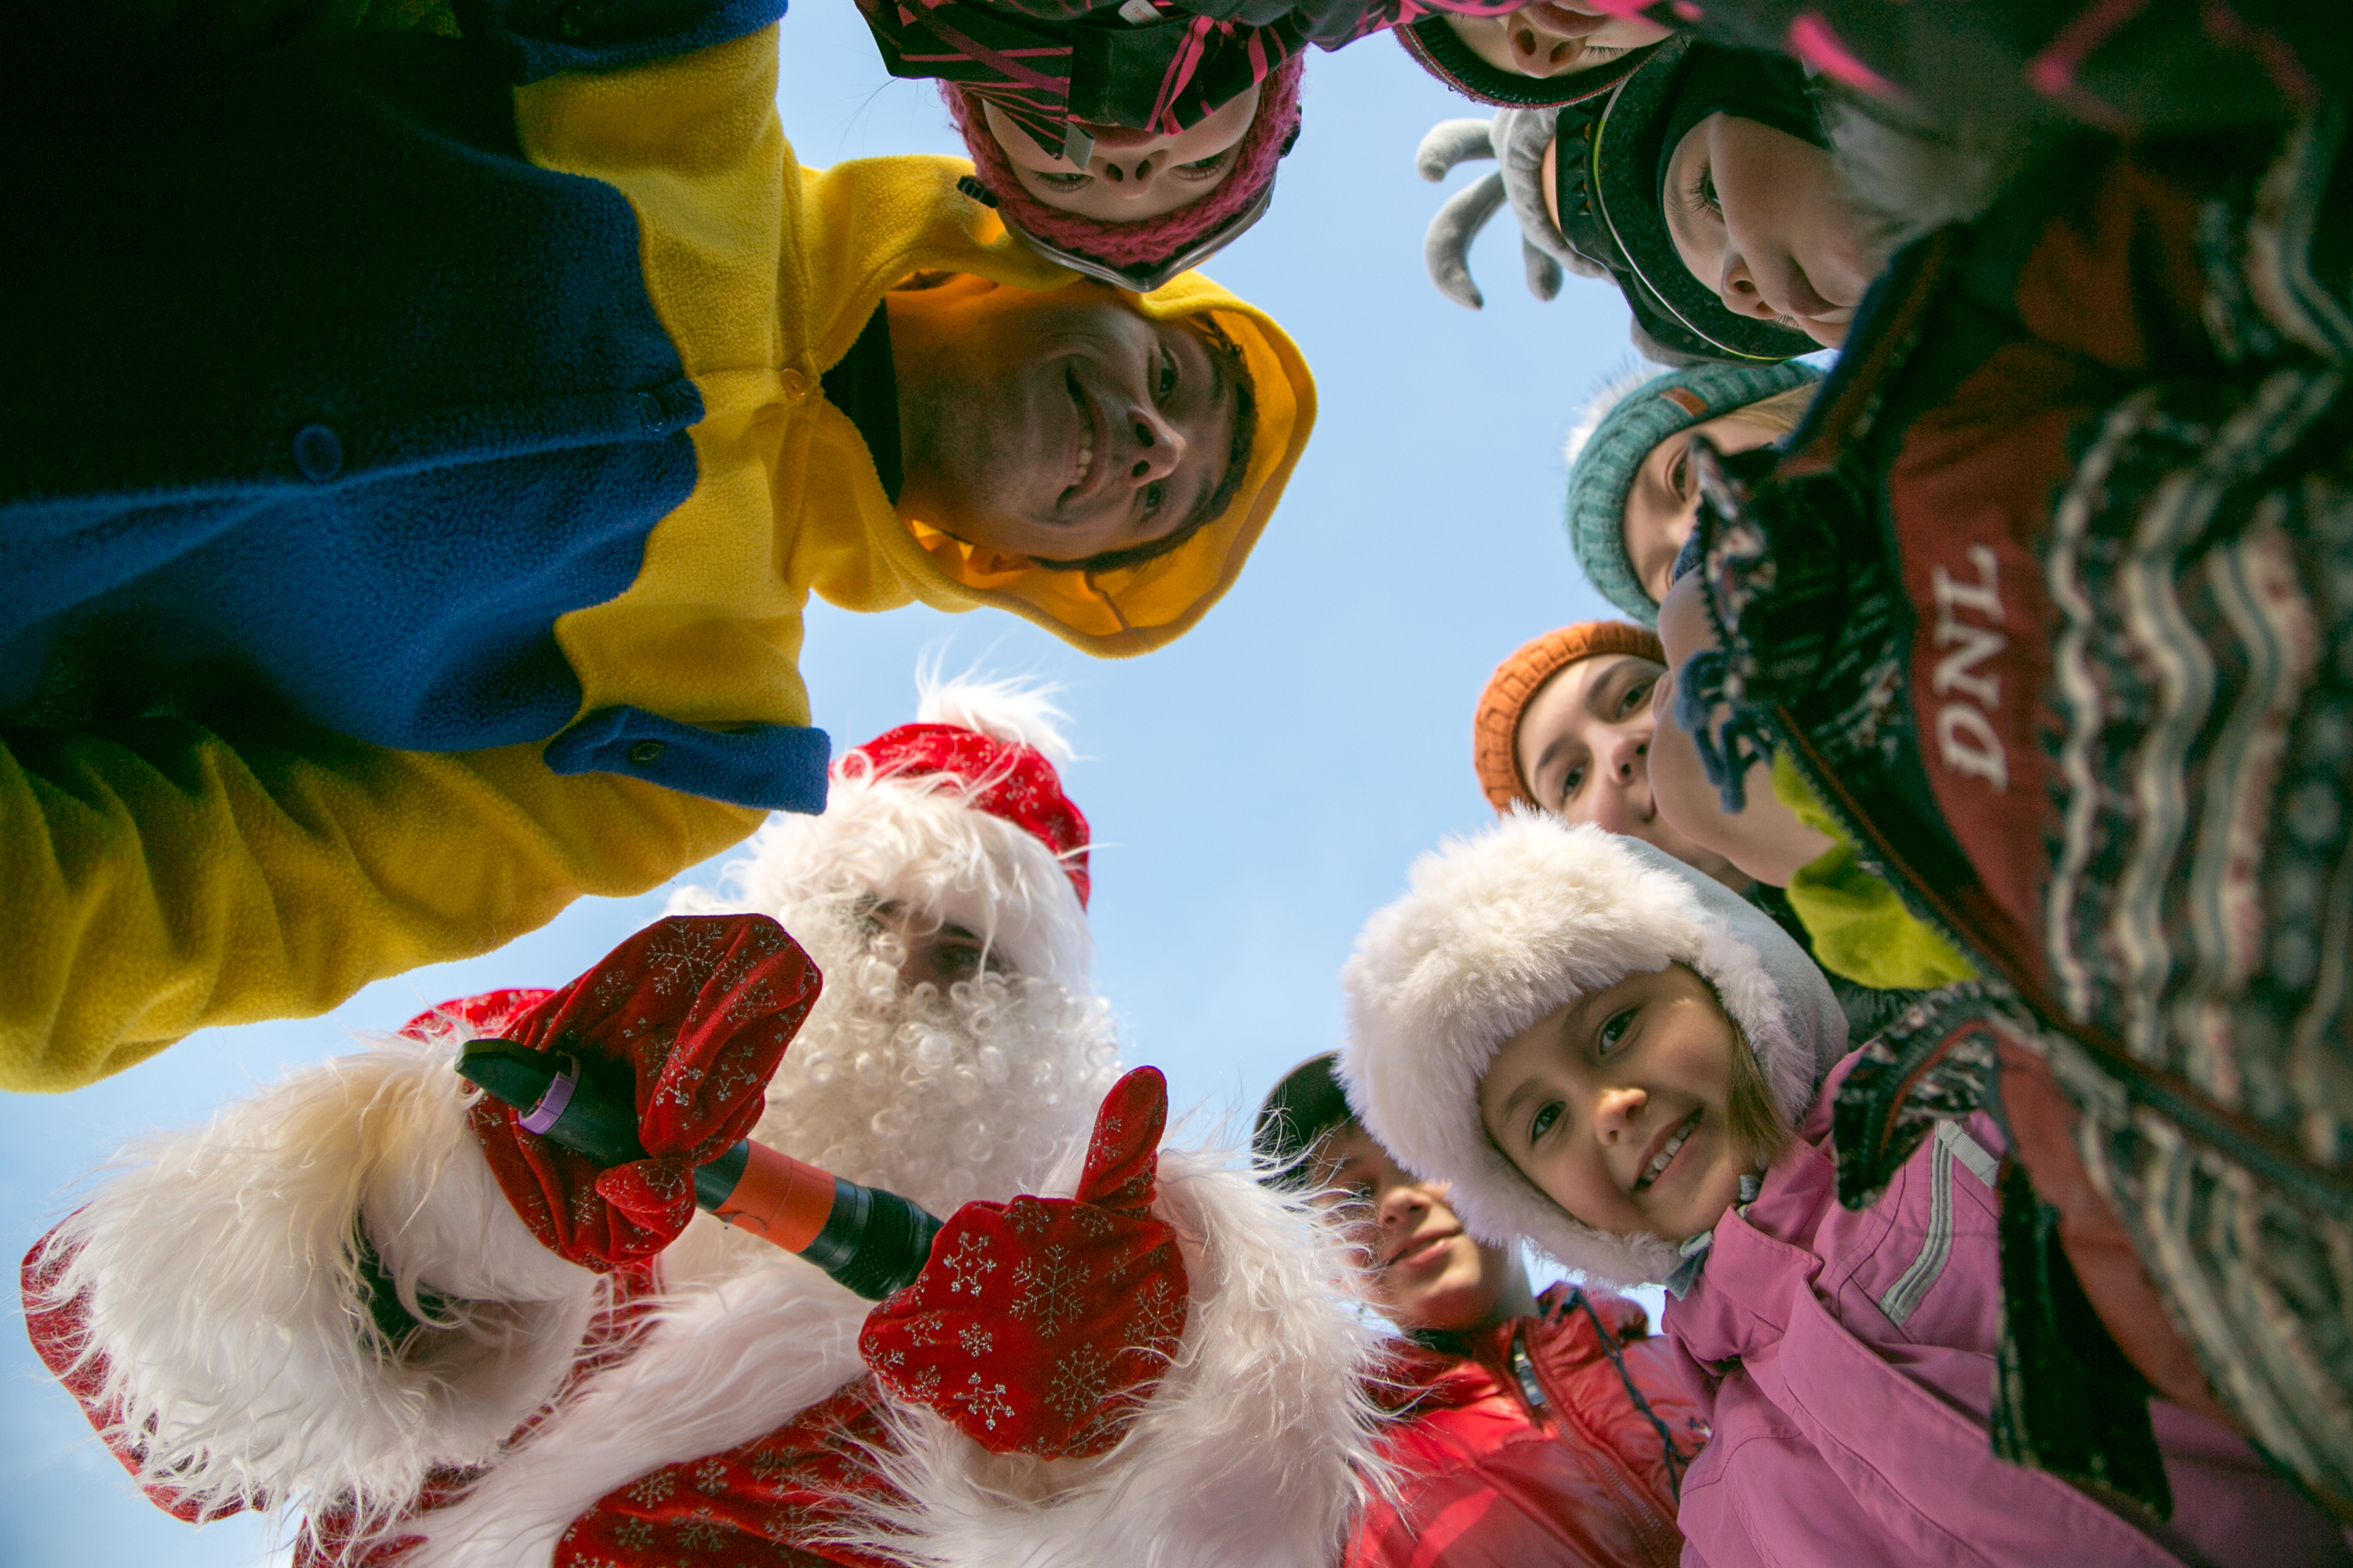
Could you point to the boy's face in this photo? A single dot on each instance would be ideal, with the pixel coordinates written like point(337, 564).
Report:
point(1757, 214)
point(1663, 503)
point(1767, 839)
point(1423, 1271)
point(1059, 424)
point(1553, 38)
point(1617, 1106)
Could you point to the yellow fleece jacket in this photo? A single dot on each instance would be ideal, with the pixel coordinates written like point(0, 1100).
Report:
point(165, 877)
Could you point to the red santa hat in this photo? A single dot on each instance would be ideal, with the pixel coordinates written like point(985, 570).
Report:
point(1005, 776)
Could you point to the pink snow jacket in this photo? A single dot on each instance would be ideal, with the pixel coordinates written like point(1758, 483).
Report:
point(1850, 1361)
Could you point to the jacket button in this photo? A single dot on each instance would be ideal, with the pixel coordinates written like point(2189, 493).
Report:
point(796, 385)
point(318, 453)
point(571, 20)
point(650, 410)
point(645, 753)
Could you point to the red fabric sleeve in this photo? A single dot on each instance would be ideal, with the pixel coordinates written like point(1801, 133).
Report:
point(59, 1331)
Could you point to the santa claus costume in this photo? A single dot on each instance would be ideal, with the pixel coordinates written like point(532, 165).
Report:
point(372, 1300)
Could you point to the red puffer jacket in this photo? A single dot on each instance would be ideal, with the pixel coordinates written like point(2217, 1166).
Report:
point(1556, 1441)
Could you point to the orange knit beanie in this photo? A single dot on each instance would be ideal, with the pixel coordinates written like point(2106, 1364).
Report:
point(1517, 680)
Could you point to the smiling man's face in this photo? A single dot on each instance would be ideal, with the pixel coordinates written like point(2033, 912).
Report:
point(1617, 1106)
point(1060, 424)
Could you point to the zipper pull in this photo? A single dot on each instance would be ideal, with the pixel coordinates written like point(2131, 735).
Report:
point(1525, 1369)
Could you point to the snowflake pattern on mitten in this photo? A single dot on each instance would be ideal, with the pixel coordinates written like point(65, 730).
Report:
point(781, 1500)
point(694, 1012)
point(1041, 1325)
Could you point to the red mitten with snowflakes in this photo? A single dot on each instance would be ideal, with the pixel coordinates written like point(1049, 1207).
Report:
point(686, 1020)
point(1040, 1325)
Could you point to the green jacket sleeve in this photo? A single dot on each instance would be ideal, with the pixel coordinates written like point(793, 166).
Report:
point(1861, 929)
point(160, 877)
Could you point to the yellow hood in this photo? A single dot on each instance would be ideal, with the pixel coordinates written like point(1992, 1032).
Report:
point(848, 211)
point(1114, 615)
point(764, 272)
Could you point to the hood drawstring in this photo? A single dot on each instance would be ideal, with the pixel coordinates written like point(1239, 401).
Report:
point(1695, 1251)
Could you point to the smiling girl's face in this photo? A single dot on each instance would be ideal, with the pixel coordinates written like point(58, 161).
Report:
point(1619, 1106)
point(1132, 174)
point(1757, 214)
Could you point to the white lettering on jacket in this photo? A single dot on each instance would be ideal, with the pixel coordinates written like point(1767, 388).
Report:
point(1965, 737)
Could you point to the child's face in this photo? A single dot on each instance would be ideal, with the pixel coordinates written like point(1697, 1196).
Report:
point(1553, 38)
point(1617, 1106)
point(1663, 503)
point(1422, 1270)
point(1583, 750)
point(1767, 839)
point(1756, 216)
point(1133, 174)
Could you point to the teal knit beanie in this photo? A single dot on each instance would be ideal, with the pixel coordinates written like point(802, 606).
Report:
point(1608, 447)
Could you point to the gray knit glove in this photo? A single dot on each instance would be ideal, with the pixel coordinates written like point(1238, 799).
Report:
point(1521, 136)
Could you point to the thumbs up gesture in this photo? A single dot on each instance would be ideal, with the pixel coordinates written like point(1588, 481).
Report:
point(1040, 1325)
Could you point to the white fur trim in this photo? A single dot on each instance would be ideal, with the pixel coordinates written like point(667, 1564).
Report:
point(1009, 708)
point(218, 1291)
point(220, 1282)
point(917, 843)
point(1256, 1448)
point(745, 1338)
point(1497, 931)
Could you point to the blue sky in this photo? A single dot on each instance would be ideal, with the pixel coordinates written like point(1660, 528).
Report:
point(1255, 790)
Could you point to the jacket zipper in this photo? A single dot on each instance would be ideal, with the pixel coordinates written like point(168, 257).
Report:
point(1619, 1480)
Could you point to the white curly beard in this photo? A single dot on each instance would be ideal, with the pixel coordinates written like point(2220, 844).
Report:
point(943, 1098)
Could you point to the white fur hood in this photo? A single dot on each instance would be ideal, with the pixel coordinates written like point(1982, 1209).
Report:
point(1499, 930)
